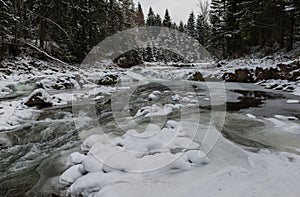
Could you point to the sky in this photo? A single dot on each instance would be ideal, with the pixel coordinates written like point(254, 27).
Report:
point(178, 9)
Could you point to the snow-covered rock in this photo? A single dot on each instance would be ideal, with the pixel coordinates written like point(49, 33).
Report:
point(39, 98)
point(72, 174)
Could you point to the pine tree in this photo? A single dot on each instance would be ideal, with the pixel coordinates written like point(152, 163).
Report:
point(158, 20)
point(233, 40)
point(181, 27)
point(200, 29)
point(191, 28)
point(150, 18)
point(128, 10)
point(217, 18)
point(6, 19)
point(167, 22)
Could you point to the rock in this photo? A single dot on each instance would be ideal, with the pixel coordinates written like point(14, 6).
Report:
point(197, 76)
point(129, 60)
point(243, 75)
point(240, 75)
point(39, 98)
point(229, 77)
point(263, 74)
point(110, 79)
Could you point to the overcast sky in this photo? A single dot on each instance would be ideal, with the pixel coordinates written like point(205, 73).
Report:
point(179, 9)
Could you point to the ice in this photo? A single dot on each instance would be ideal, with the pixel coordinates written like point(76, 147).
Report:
point(159, 150)
point(72, 174)
point(251, 116)
point(284, 124)
point(152, 97)
point(280, 117)
point(155, 110)
point(63, 99)
point(297, 90)
point(292, 101)
point(176, 97)
point(93, 139)
point(77, 158)
point(92, 182)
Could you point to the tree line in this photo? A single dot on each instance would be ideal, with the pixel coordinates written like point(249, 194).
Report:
point(69, 29)
point(65, 29)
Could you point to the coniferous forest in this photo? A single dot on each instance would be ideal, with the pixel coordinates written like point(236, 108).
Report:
point(68, 29)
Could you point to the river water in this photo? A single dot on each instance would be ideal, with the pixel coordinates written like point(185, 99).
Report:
point(39, 147)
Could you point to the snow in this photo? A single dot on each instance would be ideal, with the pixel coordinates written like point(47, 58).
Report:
point(292, 101)
point(280, 117)
point(150, 151)
point(77, 158)
point(152, 97)
point(72, 174)
point(155, 110)
point(251, 116)
point(120, 171)
point(14, 114)
point(297, 90)
point(175, 97)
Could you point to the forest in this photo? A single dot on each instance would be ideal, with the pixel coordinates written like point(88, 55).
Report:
point(69, 29)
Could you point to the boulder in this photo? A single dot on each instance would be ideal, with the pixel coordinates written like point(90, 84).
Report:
point(39, 98)
point(109, 79)
point(229, 77)
point(243, 75)
point(129, 59)
point(263, 74)
point(240, 75)
point(197, 76)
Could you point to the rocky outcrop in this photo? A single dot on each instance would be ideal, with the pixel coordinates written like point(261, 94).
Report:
point(39, 98)
point(284, 71)
point(109, 79)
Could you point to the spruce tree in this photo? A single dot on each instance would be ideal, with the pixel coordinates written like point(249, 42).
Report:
point(140, 19)
point(181, 27)
point(191, 27)
point(158, 21)
point(167, 22)
point(217, 19)
point(150, 18)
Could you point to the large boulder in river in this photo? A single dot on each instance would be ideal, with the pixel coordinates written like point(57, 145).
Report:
point(39, 98)
point(109, 79)
point(129, 59)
